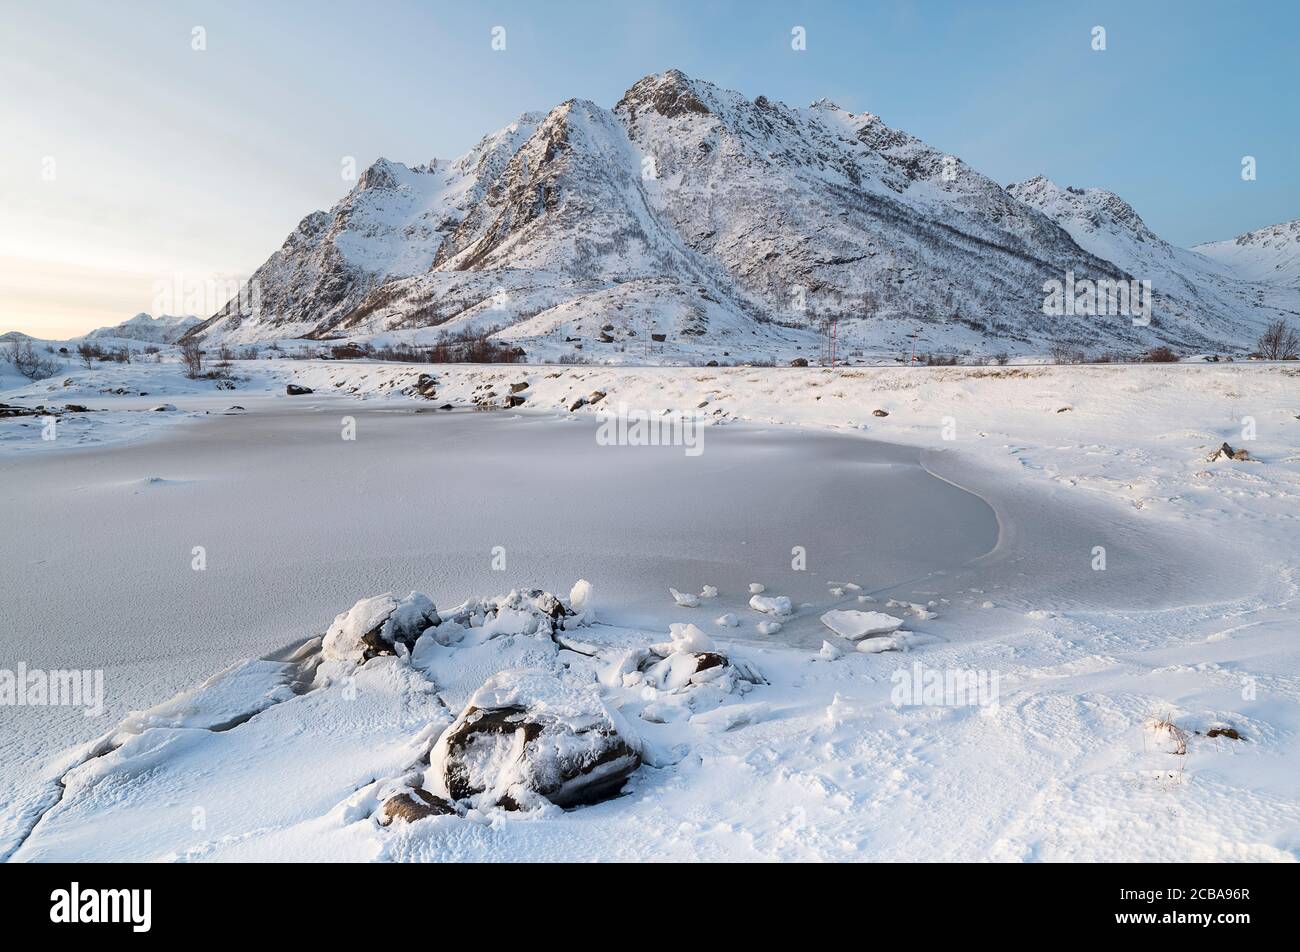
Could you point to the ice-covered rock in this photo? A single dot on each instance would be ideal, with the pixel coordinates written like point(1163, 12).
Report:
point(856, 625)
point(527, 738)
point(756, 588)
point(768, 627)
point(689, 658)
point(681, 668)
point(708, 591)
point(377, 626)
point(778, 605)
point(521, 612)
point(729, 620)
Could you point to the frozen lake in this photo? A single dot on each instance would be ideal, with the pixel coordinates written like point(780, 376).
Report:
point(297, 523)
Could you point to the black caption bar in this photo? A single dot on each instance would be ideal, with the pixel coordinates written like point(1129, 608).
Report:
point(138, 903)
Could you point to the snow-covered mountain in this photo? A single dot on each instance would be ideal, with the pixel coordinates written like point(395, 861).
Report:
point(1270, 254)
point(727, 227)
point(1189, 287)
point(163, 329)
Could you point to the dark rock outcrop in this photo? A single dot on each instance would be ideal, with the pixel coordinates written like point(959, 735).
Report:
point(411, 806)
point(525, 739)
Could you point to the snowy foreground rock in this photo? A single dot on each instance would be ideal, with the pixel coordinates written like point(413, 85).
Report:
point(377, 626)
point(484, 707)
point(527, 738)
point(530, 737)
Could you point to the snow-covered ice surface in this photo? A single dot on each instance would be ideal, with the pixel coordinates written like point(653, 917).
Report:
point(993, 534)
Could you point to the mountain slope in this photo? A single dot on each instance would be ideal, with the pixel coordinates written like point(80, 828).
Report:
point(1270, 254)
point(1189, 287)
point(388, 226)
point(729, 227)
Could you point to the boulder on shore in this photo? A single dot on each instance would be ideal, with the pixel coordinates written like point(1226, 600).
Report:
point(526, 739)
point(377, 626)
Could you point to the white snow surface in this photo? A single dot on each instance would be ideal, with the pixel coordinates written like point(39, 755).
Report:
point(1192, 621)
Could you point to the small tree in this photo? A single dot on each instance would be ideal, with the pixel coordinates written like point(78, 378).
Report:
point(1279, 341)
point(31, 364)
point(87, 352)
point(192, 357)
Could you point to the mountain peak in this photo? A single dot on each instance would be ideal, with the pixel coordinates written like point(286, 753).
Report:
point(671, 93)
point(1269, 254)
point(382, 173)
point(1287, 232)
point(1095, 208)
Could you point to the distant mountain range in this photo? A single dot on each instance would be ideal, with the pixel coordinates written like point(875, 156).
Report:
point(163, 329)
point(736, 227)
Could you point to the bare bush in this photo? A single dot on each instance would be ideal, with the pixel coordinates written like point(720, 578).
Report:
point(31, 364)
point(1161, 355)
point(938, 360)
point(1279, 341)
point(192, 358)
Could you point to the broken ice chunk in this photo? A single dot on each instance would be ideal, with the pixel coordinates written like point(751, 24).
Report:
point(856, 625)
point(685, 599)
point(771, 604)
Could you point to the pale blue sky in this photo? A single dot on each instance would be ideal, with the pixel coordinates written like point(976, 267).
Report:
point(170, 160)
